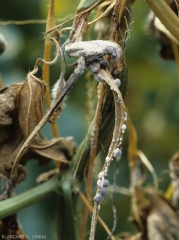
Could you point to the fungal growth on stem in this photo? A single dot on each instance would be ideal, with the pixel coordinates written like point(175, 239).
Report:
point(23, 115)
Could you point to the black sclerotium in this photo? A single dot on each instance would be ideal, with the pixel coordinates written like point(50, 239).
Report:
point(103, 63)
point(98, 198)
point(102, 191)
point(105, 183)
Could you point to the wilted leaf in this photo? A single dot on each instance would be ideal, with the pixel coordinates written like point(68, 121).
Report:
point(163, 221)
point(59, 149)
point(11, 137)
point(10, 146)
point(21, 172)
point(7, 97)
point(47, 175)
point(21, 108)
point(30, 104)
point(9, 227)
point(174, 174)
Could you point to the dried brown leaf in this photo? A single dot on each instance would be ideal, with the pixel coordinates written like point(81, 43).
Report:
point(174, 174)
point(9, 227)
point(163, 221)
point(11, 137)
point(47, 175)
point(21, 108)
point(21, 172)
point(7, 97)
point(59, 149)
point(30, 104)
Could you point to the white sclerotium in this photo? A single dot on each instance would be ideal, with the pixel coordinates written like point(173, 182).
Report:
point(124, 128)
point(108, 159)
point(94, 48)
point(101, 175)
point(117, 81)
point(117, 153)
point(125, 116)
point(99, 182)
point(105, 171)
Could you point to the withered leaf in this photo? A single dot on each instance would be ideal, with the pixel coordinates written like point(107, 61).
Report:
point(21, 172)
point(10, 136)
point(10, 146)
point(21, 108)
point(163, 221)
point(9, 227)
point(47, 175)
point(174, 174)
point(30, 104)
point(59, 149)
point(7, 97)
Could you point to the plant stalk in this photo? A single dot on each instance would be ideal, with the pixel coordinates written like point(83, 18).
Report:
point(25, 199)
point(46, 68)
point(166, 16)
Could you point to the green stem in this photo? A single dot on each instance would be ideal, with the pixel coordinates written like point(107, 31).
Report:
point(23, 200)
point(68, 218)
point(166, 16)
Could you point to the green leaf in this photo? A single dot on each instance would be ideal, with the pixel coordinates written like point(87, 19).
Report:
point(86, 4)
point(166, 16)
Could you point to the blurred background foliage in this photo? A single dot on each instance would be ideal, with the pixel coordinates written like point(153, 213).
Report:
point(152, 100)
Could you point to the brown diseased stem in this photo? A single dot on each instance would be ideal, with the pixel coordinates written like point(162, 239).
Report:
point(90, 208)
point(94, 145)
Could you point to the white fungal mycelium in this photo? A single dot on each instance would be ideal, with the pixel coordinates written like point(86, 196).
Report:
point(57, 88)
point(100, 175)
point(117, 153)
point(117, 81)
point(94, 48)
